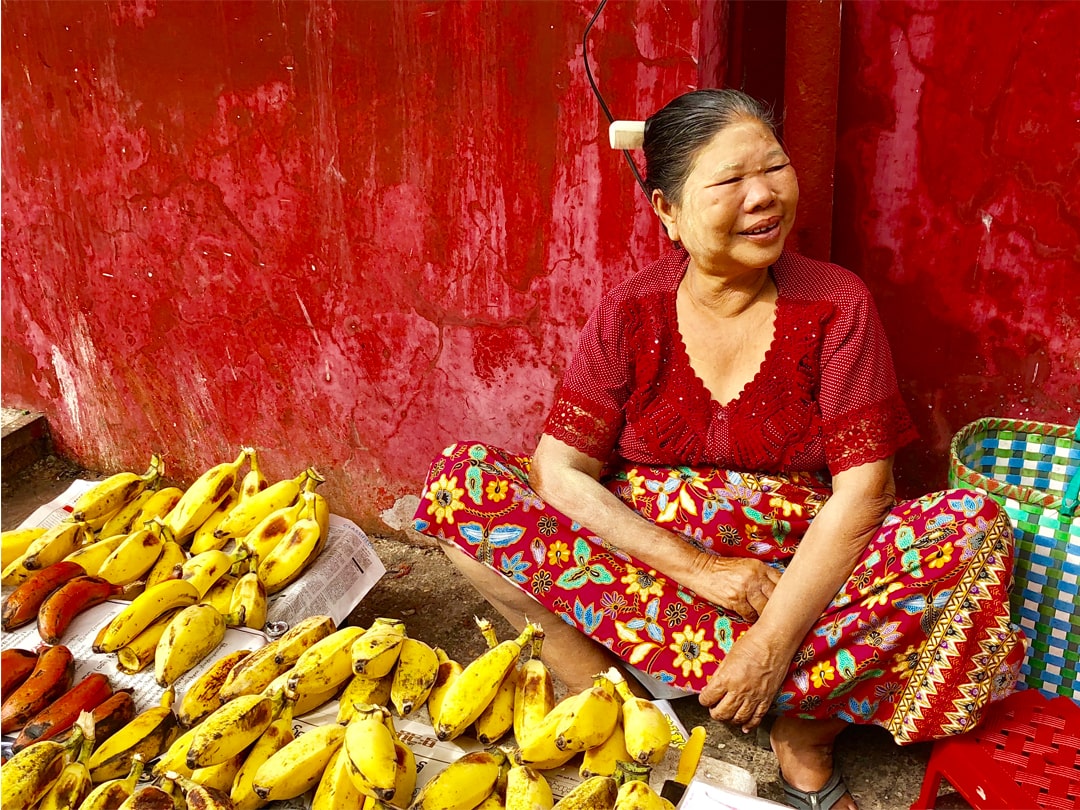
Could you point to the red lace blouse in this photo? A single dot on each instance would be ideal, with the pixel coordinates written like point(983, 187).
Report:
point(824, 397)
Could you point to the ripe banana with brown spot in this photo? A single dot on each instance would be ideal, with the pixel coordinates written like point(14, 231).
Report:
point(304, 701)
point(158, 506)
point(371, 752)
point(123, 522)
point(326, 664)
point(91, 556)
point(273, 739)
point(74, 783)
point(636, 794)
point(464, 783)
point(168, 565)
point(49, 547)
point(646, 727)
point(261, 540)
point(28, 775)
point(592, 718)
point(15, 542)
point(108, 497)
point(250, 511)
point(134, 557)
point(203, 570)
point(148, 735)
point(448, 670)
point(138, 654)
point(534, 696)
point(220, 776)
point(297, 550)
point(497, 718)
point(248, 604)
point(601, 760)
point(376, 651)
point(527, 789)
point(299, 765)
point(143, 610)
point(336, 789)
point(259, 669)
point(174, 758)
point(595, 793)
point(203, 696)
point(231, 728)
point(111, 793)
point(202, 497)
point(204, 538)
point(360, 690)
point(413, 676)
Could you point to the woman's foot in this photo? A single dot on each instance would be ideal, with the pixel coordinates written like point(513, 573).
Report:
point(804, 749)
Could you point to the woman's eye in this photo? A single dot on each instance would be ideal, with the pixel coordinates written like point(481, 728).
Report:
point(774, 169)
point(729, 182)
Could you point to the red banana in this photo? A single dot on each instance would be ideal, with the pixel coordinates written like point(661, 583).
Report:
point(68, 601)
point(109, 717)
point(61, 714)
point(22, 604)
point(52, 676)
point(15, 667)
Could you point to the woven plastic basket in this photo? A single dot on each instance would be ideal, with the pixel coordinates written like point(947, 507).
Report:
point(1028, 467)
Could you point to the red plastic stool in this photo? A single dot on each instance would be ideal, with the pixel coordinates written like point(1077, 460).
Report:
point(1026, 754)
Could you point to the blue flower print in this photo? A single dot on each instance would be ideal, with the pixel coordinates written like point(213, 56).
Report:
point(587, 616)
point(970, 503)
point(649, 622)
point(515, 567)
point(488, 539)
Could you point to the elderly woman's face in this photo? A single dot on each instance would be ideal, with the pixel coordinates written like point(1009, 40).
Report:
point(738, 203)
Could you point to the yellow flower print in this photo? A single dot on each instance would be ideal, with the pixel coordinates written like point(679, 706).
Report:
point(496, 490)
point(643, 583)
point(941, 555)
point(907, 660)
point(785, 506)
point(558, 553)
point(445, 496)
point(879, 596)
point(822, 673)
point(692, 649)
point(637, 483)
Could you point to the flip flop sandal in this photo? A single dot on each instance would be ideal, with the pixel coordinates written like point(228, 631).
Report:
point(829, 794)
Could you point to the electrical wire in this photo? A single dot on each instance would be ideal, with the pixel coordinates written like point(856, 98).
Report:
point(600, 98)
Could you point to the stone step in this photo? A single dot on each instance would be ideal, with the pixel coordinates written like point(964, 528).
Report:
point(25, 440)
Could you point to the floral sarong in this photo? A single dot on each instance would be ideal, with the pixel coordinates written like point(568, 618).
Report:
point(917, 641)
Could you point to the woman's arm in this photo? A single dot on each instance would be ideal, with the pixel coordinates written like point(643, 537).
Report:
point(568, 479)
point(745, 682)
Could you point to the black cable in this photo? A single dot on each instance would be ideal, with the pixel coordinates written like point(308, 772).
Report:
point(600, 98)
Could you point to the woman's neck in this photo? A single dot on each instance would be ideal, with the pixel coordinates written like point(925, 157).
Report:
point(726, 297)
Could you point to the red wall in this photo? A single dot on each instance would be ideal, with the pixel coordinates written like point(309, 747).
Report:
point(351, 233)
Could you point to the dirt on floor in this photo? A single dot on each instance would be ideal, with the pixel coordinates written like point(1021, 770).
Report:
point(424, 590)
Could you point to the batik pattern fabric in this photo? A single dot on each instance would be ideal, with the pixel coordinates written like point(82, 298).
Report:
point(917, 641)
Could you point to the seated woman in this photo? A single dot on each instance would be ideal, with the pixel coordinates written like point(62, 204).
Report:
point(712, 502)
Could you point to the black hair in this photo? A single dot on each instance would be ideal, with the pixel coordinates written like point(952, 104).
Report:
point(678, 131)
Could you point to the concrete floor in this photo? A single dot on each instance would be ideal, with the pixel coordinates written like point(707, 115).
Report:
point(421, 588)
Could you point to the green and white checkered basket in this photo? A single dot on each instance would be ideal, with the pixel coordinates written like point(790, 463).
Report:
point(1033, 470)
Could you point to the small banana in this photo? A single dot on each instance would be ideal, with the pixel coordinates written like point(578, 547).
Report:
point(414, 676)
point(473, 689)
point(148, 735)
point(327, 663)
point(535, 693)
point(204, 538)
point(646, 728)
point(259, 669)
point(405, 767)
point(55, 544)
point(370, 748)
point(592, 718)
point(158, 505)
point(220, 594)
point(111, 793)
point(91, 556)
point(376, 651)
point(253, 481)
point(298, 766)
point(161, 795)
point(250, 511)
point(143, 610)
point(203, 796)
point(362, 689)
point(138, 654)
point(272, 740)
point(202, 696)
point(108, 497)
point(336, 789)
point(220, 776)
point(497, 718)
point(29, 774)
point(174, 758)
point(123, 522)
point(539, 749)
point(304, 701)
point(203, 570)
point(449, 669)
point(601, 760)
point(74, 783)
point(527, 789)
point(168, 565)
point(231, 728)
point(202, 497)
point(297, 550)
point(248, 604)
point(15, 542)
point(135, 557)
point(595, 793)
point(261, 540)
point(636, 794)
point(464, 783)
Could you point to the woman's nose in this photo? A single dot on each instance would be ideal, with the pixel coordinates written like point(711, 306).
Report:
point(759, 193)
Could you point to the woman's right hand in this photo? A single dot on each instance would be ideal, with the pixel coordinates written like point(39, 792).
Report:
point(737, 584)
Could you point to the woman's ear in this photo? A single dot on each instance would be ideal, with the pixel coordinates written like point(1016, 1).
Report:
point(667, 213)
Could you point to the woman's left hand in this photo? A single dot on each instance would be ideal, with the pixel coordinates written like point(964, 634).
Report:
point(742, 688)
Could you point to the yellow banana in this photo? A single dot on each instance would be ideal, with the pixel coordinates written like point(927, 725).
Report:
point(168, 565)
point(595, 793)
point(220, 594)
point(202, 497)
point(477, 684)
point(248, 605)
point(492, 802)
point(464, 783)
point(292, 555)
point(203, 570)
point(600, 760)
point(143, 610)
point(204, 538)
point(256, 672)
point(299, 765)
point(139, 653)
point(539, 749)
point(320, 506)
point(405, 773)
point(28, 775)
point(326, 664)
point(158, 505)
point(636, 794)
point(123, 522)
point(55, 544)
point(362, 689)
point(646, 728)
point(108, 497)
point(249, 512)
point(204, 796)
point(449, 669)
point(371, 752)
point(149, 734)
point(202, 696)
point(91, 556)
point(74, 783)
point(527, 789)
point(133, 558)
point(253, 481)
point(336, 789)
point(376, 651)
point(691, 755)
point(497, 718)
point(272, 740)
point(592, 718)
point(174, 758)
point(14, 543)
point(261, 540)
point(156, 796)
point(414, 675)
point(111, 793)
point(304, 701)
point(534, 696)
point(231, 728)
point(220, 776)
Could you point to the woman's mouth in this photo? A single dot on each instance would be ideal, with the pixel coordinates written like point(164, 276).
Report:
point(764, 230)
